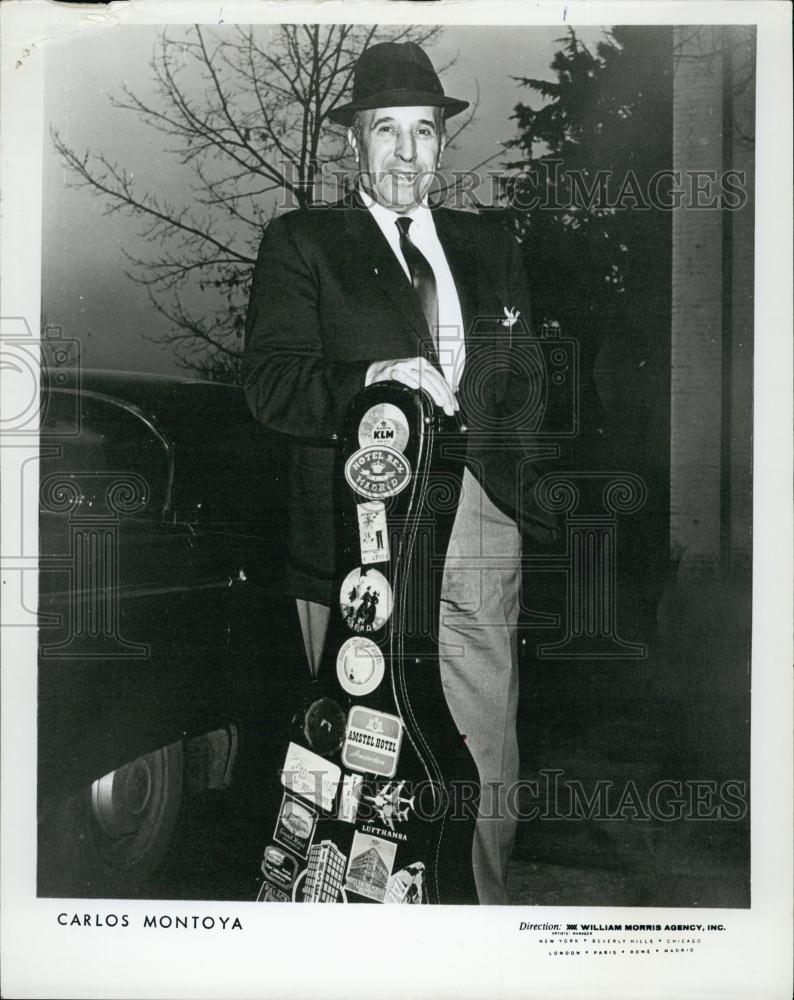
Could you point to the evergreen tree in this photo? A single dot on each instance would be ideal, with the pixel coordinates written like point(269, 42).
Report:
point(605, 130)
point(598, 253)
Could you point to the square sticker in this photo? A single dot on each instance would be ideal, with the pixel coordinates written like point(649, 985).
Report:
point(372, 741)
point(312, 777)
point(370, 866)
point(295, 825)
point(372, 532)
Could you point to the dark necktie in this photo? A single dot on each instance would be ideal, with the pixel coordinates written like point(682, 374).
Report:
point(422, 277)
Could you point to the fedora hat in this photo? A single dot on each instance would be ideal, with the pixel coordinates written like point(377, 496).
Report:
point(395, 75)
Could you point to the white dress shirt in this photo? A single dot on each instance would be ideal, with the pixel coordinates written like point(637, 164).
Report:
point(451, 346)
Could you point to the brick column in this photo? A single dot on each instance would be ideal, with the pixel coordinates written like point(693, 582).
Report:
point(712, 311)
point(696, 376)
point(742, 272)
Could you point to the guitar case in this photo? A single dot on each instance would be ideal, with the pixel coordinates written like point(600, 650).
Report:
point(379, 793)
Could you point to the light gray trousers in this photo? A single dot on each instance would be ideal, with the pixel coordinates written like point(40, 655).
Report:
point(478, 658)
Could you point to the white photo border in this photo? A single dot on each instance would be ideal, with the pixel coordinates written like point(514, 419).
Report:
point(431, 951)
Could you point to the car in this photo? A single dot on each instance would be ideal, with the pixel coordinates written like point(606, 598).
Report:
point(165, 643)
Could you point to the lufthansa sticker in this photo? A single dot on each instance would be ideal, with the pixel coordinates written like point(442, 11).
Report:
point(365, 600)
point(376, 472)
point(359, 666)
point(384, 424)
point(391, 803)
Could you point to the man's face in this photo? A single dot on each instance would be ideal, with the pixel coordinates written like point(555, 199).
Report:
point(398, 152)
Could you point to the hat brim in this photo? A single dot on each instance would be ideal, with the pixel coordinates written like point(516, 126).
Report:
point(345, 114)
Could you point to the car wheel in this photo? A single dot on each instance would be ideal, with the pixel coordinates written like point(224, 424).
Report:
point(109, 838)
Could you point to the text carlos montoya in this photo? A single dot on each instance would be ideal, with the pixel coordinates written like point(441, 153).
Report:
point(164, 921)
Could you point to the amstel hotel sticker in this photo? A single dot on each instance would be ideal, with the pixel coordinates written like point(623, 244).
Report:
point(372, 741)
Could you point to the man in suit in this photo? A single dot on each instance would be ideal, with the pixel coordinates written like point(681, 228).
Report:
point(382, 287)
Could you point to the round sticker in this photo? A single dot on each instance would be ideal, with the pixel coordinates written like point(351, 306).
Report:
point(365, 600)
point(384, 424)
point(376, 472)
point(324, 726)
point(359, 666)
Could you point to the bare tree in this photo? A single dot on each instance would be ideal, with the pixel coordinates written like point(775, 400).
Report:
point(247, 111)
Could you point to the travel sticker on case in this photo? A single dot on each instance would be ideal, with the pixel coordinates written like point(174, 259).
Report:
point(321, 882)
point(407, 885)
point(377, 472)
point(382, 424)
point(270, 894)
point(312, 777)
point(278, 866)
point(359, 666)
point(365, 600)
point(371, 863)
point(372, 532)
point(391, 803)
point(295, 825)
point(372, 741)
point(350, 797)
point(324, 726)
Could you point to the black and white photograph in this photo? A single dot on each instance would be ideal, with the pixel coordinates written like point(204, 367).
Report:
point(396, 453)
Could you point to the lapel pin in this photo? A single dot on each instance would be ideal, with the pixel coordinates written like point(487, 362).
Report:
point(511, 317)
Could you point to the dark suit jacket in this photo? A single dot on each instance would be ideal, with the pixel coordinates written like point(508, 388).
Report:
point(328, 298)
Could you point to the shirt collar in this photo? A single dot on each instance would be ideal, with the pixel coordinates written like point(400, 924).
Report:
point(386, 217)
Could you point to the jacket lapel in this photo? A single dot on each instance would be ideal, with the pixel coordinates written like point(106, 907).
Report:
point(471, 271)
point(378, 263)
